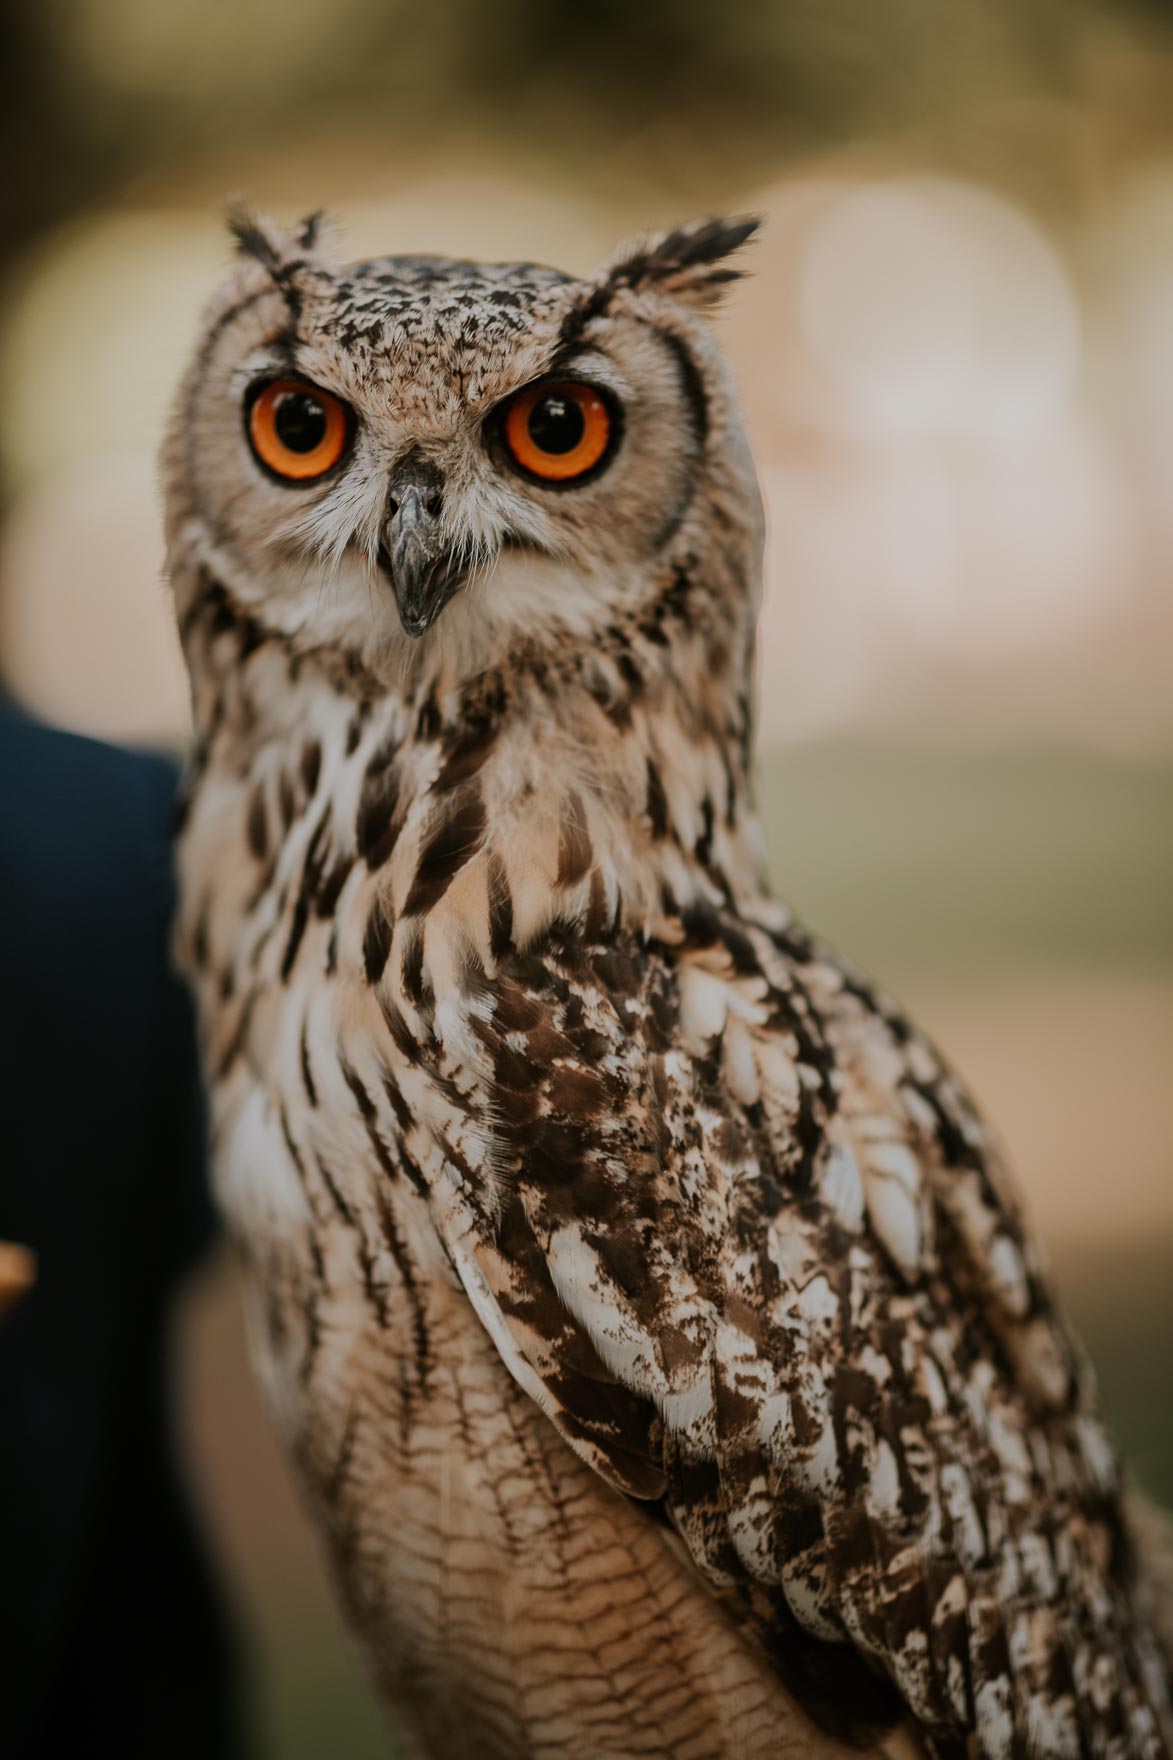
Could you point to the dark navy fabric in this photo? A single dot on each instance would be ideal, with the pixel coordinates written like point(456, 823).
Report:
point(111, 1636)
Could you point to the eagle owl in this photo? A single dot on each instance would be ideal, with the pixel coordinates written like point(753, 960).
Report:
point(641, 1300)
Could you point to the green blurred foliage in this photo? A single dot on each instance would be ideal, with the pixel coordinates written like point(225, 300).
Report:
point(935, 860)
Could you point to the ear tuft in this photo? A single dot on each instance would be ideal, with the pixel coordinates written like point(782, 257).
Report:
point(688, 263)
point(313, 229)
point(256, 236)
point(267, 243)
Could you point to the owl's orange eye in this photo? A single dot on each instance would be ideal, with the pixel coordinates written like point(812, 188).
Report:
point(298, 432)
point(558, 432)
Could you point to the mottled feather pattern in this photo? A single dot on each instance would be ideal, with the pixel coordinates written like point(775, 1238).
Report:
point(819, 1398)
point(538, 1119)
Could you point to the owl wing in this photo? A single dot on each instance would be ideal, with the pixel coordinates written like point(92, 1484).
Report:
point(745, 1243)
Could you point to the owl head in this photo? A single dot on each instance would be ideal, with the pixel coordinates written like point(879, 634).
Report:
point(415, 454)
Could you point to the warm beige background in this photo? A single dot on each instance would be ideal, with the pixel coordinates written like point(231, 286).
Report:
point(956, 354)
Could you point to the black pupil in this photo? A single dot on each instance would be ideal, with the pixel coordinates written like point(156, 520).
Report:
point(299, 421)
point(556, 423)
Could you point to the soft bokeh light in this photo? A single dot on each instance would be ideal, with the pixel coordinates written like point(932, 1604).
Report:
point(85, 544)
point(940, 310)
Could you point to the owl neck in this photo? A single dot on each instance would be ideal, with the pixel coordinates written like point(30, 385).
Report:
point(599, 785)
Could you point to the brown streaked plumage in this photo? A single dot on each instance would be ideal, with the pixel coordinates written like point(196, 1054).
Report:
point(638, 1293)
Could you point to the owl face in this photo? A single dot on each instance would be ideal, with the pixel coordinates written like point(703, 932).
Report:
point(414, 451)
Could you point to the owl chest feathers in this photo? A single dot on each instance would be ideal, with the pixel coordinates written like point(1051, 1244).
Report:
point(352, 874)
point(355, 863)
point(360, 868)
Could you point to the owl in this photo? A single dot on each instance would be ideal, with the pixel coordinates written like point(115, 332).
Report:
point(637, 1293)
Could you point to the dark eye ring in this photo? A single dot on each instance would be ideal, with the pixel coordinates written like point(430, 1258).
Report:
point(560, 432)
point(297, 431)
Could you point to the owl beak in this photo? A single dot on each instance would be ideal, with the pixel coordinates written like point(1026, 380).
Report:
point(414, 558)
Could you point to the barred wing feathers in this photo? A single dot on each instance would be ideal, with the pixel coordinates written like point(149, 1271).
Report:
point(746, 1244)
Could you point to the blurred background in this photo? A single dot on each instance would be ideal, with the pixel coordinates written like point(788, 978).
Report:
point(956, 353)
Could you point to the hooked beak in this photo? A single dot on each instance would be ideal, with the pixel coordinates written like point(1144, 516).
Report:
point(412, 556)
